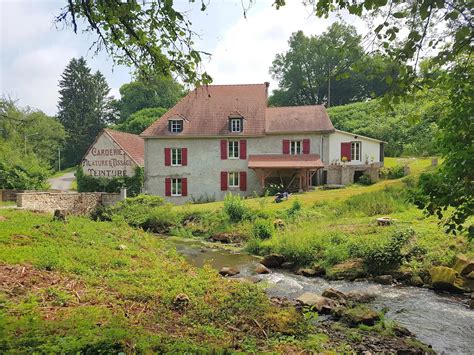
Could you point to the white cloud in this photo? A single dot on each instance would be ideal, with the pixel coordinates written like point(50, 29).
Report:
point(35, 75)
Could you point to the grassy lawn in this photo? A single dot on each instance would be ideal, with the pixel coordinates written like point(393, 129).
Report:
point(91, 287)
point(7, 203)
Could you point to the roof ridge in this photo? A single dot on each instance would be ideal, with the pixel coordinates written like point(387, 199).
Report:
point(121, 132)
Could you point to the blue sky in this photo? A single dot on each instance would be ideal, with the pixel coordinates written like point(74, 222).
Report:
point(33, 52)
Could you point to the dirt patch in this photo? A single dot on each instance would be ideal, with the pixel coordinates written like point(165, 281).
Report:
point(3, 218)
point(18, 280)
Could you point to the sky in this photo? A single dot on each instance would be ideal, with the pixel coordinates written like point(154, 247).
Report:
point(34, 52)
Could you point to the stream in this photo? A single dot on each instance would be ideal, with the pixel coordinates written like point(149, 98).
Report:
point(443, 321)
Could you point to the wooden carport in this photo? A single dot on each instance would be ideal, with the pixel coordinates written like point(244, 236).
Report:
point(302, 167)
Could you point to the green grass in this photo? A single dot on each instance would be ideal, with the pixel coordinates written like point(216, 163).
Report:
point(103, 286)
point(7, 203)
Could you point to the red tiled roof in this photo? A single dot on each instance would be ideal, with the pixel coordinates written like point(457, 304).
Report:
point(207, 110)
point(132, 144)
point(297, 119)
point(285, 161)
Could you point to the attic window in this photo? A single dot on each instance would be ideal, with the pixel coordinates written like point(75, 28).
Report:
point(175, 126)
point(235, 125)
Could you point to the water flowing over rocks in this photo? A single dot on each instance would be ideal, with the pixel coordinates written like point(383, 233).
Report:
point(262, 269)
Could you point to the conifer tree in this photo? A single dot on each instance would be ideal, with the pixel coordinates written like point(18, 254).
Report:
point(83, 107)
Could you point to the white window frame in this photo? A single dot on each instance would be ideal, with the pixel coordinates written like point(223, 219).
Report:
point(176, 126)
point(176, 156)
point(236, 125)
point(233, 179)
point(296, 147)
point(235, 149)
point(356, 150)
point(176, 187)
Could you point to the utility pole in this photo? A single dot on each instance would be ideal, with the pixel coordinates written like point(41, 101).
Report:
point(59, 159)
point(329, 89)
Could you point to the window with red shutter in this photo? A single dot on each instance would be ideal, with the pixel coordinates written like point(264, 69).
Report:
point(223, 149)
point(243, 181)
point(184, 187)
point(184, 156)
point(167, 156)
point(168, 187)
point(243, 149)
point(286, 146)
point(306, 146)
point(223, 180)
point(346, 151)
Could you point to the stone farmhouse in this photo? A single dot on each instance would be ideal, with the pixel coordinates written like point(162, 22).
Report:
point(114, 154)
point(224, 138)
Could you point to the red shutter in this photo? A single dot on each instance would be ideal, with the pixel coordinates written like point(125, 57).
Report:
point(306, 146)
point(223, 149)
point(243, 149)
point(346, 151)
point(167, 156)
point(286, 146)
point(223, 180)
point(243, 181)
point(184, 156)
point(184, 187)
point(168, 187)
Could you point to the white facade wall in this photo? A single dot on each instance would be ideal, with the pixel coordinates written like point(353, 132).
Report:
point(105, 158)
point(370, 152)
point(205, 164)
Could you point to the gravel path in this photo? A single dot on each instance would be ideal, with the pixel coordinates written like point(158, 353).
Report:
point(62, 182)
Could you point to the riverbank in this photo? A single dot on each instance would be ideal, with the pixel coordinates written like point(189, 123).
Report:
point(85, 286)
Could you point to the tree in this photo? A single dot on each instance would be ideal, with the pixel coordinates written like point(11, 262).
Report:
point(140, 120)
point(148, 92)
point(31, 130)
point(83, 108)
point(330, 69)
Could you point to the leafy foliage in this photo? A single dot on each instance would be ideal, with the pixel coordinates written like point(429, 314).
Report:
point(87, 183)
point(263, 228)
point(21, 172)
point(394, 172)
point(83, 108)
point(147, 92)
point(235, 208)
point(365, 180)
point(140, 120)
point(386, 257)
point(31, 131)
point(330, 68)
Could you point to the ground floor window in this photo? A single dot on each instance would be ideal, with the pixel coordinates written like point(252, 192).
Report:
point(176, 187)
point(233, 179)
point(355, 150)
point(295, 147)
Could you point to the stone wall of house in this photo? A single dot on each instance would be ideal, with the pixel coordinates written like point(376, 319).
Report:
point(344, 174)
point(72, 202)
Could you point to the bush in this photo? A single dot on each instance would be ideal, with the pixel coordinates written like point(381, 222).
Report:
point(273, 189)
point(395, 172)
point(375, 203)
point(263, 229)
point(87, 183)
point(365, 180)
point(235, 208)
point(386, 257)
point(295, 209)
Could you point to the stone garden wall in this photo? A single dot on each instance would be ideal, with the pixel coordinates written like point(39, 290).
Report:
point(9, 195)
point(72, 202)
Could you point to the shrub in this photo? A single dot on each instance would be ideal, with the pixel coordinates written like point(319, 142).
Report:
point(395, 172)
point(263, 228)
point(87, 183)
point(295, 208)
point(273, 189)
point(375, 203)
point(386, 257)
point(365, 180)
point(235, 208)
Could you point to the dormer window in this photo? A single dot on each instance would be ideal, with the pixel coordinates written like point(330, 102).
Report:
point(175, 126)
point(235, 125)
